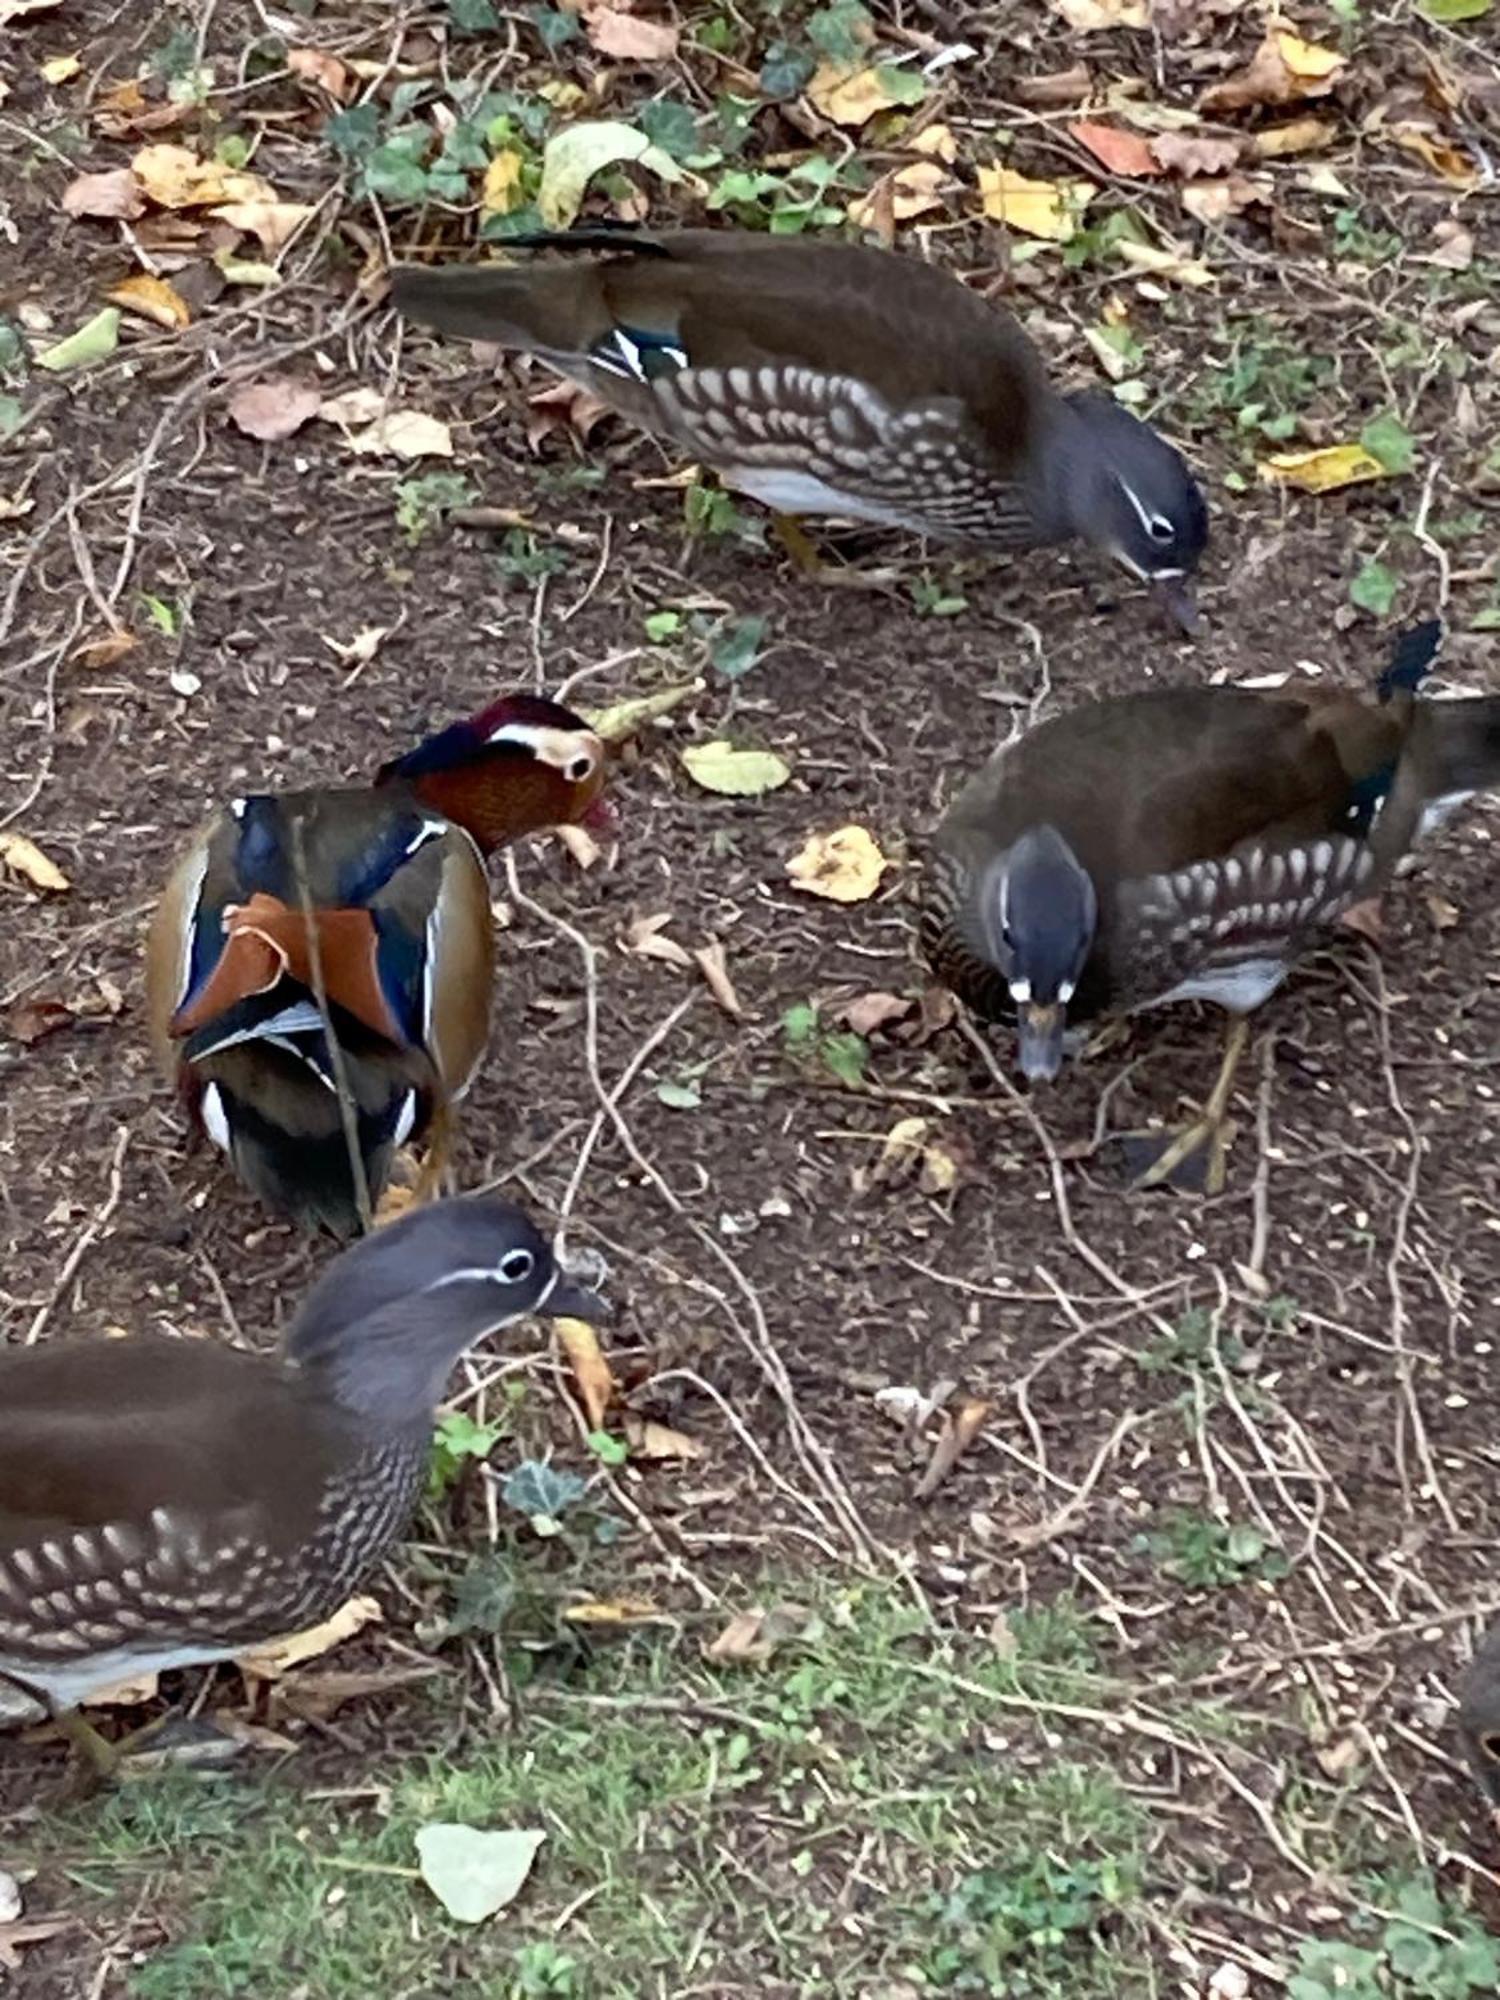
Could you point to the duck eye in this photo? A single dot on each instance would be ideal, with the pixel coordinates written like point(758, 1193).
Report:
point(516, 1266)
point(580, 769)
point(1489, 1743)
point(1160, 529)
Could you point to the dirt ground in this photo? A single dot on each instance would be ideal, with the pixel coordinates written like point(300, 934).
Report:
point(1308, 1357)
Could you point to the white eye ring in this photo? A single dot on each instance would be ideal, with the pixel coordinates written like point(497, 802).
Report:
point(580, 769)
point(1160, 529)
point(516, 1266)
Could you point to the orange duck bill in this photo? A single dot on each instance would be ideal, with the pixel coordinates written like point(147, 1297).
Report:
point(266, 941)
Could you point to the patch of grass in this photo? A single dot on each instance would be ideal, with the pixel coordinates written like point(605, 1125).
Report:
point(1206, 1554)
point(862, 1805)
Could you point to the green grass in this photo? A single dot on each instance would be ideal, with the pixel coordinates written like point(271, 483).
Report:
point(816, 1825)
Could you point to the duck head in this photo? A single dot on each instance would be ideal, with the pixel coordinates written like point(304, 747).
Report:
point(1037, 914)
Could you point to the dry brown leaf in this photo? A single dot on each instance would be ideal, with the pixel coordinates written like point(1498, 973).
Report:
point(1055, 92)
point(1455, 246)
point(752, 1636)
point(1366, 919)
point(105, 651)
point(274, 408)
point(844, 866)
point(1121, 152)
point(1446, 160)
point(134, 1693)
point(1164, 262)
point(1212, 201)
point(711, 962)
point(1283, 70)
point(174, 177)
point(649, 1439)
point(901, 195)
point(1300, 135)
point(960, 1429)
point(645, 937)
point(596, 1385)
point(1049, 209)
point(272, 223)
point(116, 195)
point(613, 1611)
point(874, 1010)
point(613, 32)
point(564, 406)
point(1445, 916)
point(583, 850)
point(402, 434)
point(1089, 17)
point(270, 1661)
point(23, 857)
point(1190, 153)
point(317, 66)
point(30, 1021)
point(324, 1691)
point(152, 298)
point(851, 97)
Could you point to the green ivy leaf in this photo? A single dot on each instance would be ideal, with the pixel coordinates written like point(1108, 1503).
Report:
point(538, 1489)
point(554, 26)
point(10, 417)
point(735, 647)
point(839, 32)
point(1375, 588)
point(456, 1439)
point(846, 1055)
point(473, 17)
point(1455, 10)
point(679, 1095)
point(785, 70)
point(1388, 439)
point(672, 126)
point(799, 1022)
point(391, 174)
point(353, 133)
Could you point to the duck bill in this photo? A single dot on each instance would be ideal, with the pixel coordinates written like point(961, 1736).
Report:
point(1176, 599)
point(568, 1300)
point(1041, 1040)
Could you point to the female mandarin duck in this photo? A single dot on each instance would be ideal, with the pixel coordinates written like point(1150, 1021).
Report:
point(402, 941)
point(1188, 844)
point(831, 378)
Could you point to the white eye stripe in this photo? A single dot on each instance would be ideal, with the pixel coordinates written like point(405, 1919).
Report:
point(561, 748)
point(1157, 526)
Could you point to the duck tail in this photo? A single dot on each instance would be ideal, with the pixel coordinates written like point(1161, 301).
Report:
point(545, 308)
point(1412, 659)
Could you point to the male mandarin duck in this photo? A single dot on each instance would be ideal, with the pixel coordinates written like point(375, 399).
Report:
point(395, 873)
point(1479, 1717)
point(1188, 844)
point(167, 1502)
point(832, 378)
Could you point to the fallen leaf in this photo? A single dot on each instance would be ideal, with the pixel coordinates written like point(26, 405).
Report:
point(845, 866)
point(23, 857)
point(625, 719)
point(1089, 16)
point(1190, 153)
point(501, 190)
point(15, 10)
point(133, 1693)
point(613, 1611)
point(353, 406)
point(714, 966)
point(1444, 158)
point(740, 774)
point(1300, 135)
point(1445, 915)
point(596, 1385)
point(646, 937)
point(106, 650)
point(272, 223)
point(1061, 88)
point(753, 1636)
point(245, 270)
point(404, 434)
point(910, 191)
point(1121, 152)
point(319, 1694)
point(564, 406)
point(1455, 246)
point(1366, 919)
point(934, 142)
point(573, 156)
point(1323, 470)
point(1283, 69)
point(152, 298)
point(474, 1872)
point(30, 1021)
point(94, 341)
point(113, 196)
point(852, 97)
point(616, 33)
point(319, 67)
point(873, 1010)
point(270, 1661)
point(174, 177)
point(960, 1429)
point(1212, 201)
point(274, 408)
point(649, 1439)
point(1176, 264)
point(1049, 209)
point(61, 69)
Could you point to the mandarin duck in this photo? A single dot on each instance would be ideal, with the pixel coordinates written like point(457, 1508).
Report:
point(1188, 843)
point(168, 1503)
point(1479, 1716)
point(401, 937)
point(831, 378)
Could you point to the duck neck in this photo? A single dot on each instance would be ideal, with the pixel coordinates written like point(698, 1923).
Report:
point(496, 799)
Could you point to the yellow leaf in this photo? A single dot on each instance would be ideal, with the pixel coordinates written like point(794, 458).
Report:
point(1441, 155)
point(502, 183)
point(851, 97)
point(845, 866)
point(58, 69)
point(403, 434)
point(1089, 16)
point(1165, 263)
point(612, 1611)
point(624, 719)
point(740, 774)
point(152, 298)
point(596, 1385)
point(649, 1439)
point(936, 141)
point(174, 177)
point(273, 223)
point(1307, 59)
point(270, 1661)
point(1049, 209)
point(1323, 470)
point(912, 191)
point(26, 858)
